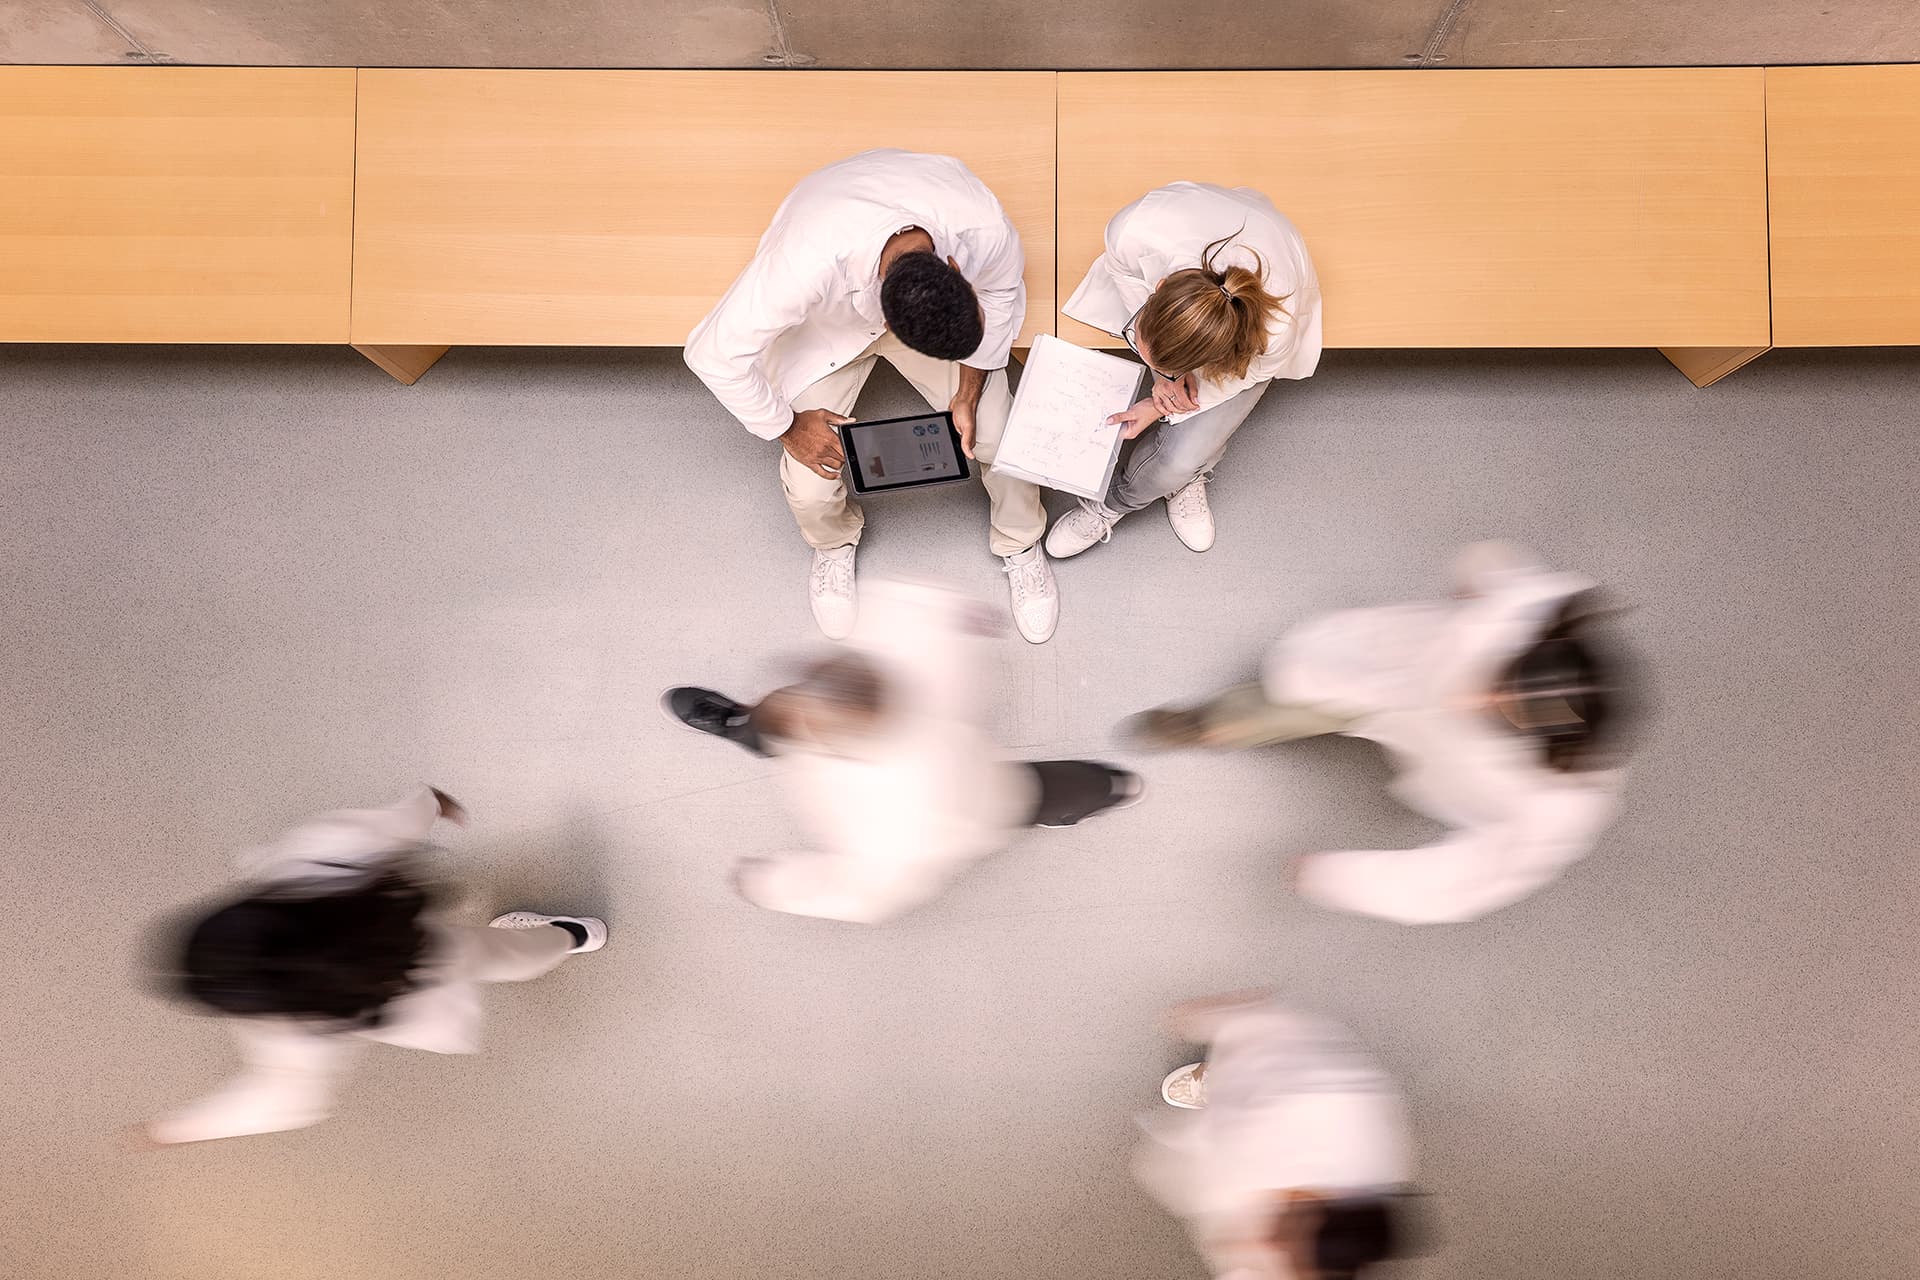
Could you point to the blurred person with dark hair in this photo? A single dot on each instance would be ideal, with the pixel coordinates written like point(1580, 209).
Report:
point(888, 254)
point(1286, 1151)
point(337, 940)
point(889, 765)
point(1505, 710)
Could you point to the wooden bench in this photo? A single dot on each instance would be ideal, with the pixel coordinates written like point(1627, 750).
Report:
point(614, 207)
point(1843, 174)
point(175, 204)
point(1604, 208)
point(1561, 208)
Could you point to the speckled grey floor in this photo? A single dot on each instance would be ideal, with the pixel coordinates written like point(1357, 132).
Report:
point(243, 585)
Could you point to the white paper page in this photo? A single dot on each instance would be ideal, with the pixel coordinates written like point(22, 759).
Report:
point(1058, 435)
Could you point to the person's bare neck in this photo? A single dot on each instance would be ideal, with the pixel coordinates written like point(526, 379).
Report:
point(901, 243)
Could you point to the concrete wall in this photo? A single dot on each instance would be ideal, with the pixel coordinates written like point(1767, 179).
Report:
point(986, 34)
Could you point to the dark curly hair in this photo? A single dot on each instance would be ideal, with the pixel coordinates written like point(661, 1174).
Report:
point(931, 307)
point(334, 957)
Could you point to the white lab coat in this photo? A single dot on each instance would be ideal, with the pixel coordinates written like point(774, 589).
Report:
point(930, 795)
point(1415, 676)
point(809, 302)
point(1292, 1103)
point(1166, 231)
point(290, 1068)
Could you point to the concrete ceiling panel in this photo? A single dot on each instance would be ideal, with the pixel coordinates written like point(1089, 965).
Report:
point(59, 31)
point(454, 33)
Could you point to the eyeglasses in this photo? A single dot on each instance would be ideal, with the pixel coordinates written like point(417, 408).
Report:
point(1129, 334)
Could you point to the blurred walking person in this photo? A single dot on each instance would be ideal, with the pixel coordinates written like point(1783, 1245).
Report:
point(1503, 709)
point(338, 940)
point(889, 766)
point(1286, 1152)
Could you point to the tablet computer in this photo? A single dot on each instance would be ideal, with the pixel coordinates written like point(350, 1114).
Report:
point(902, 453)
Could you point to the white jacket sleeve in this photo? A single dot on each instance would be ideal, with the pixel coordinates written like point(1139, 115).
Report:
point(1470, 873)
point(287, 1082)
point(999, 281)
point(1115, 285)
point(345, 842)
point(927, 638)
point(728, 349)
point(408, 820)
point(838, 886)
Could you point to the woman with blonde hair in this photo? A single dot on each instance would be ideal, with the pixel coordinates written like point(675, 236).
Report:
point(1213, 289)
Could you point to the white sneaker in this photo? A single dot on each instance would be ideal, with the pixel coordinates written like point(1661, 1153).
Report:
point(596, 927)
point(1186, 1087)
point(1190, 516)
point(1036, 601)
point(1080, 528)
point(830, 591)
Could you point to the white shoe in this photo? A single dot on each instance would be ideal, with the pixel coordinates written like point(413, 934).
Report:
point(1186, 1088)
point(830, 591)
point(1036, 601)
point(596, 927)
point(1190, 516)
point(1080, 528)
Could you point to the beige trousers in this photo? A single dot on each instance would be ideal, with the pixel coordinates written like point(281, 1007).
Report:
point(1242, 717)
point(828, 517)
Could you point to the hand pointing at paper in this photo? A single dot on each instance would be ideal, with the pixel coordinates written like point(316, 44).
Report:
point(1169, 396)
point(1137, 419)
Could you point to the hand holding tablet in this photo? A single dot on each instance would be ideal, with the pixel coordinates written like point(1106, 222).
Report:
point(814, 442)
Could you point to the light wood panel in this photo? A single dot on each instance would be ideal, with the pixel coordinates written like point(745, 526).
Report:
point(1705, 366)
point(175, 204)
point(593, 207)
point(1843, 146)
point(1460, 208)
point(402, 364)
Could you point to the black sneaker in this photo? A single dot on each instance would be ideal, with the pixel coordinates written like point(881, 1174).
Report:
point(713, 713)
point(1122, 790)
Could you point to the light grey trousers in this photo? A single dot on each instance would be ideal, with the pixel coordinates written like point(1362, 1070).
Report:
point(1170, 454)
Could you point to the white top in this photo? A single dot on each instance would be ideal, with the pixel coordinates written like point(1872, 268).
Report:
point(1292, 1103)
point(930, 795)
point(809, 302)
point(1417, 676)
point(290, 1067)
point(1167, 230)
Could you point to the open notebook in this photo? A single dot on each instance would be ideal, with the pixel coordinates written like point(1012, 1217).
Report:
point(1058, 435)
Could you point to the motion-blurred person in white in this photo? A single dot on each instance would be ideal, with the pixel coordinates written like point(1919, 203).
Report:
point(889, 764)
point(336, 942)
point(1213, 289)
point(1286, 1152)
point(1503, 709)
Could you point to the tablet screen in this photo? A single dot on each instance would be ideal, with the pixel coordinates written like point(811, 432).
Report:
point(900, 453)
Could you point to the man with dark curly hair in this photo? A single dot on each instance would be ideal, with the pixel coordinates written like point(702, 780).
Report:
point(894, 254)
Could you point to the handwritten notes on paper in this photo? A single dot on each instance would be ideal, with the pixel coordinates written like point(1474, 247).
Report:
point(1058, 435)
